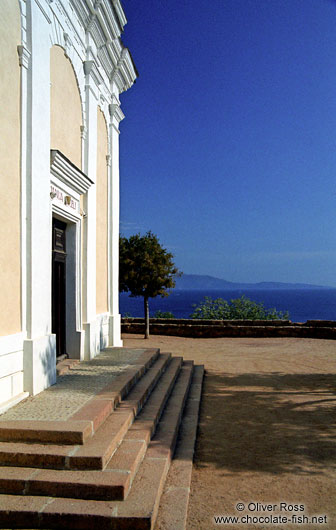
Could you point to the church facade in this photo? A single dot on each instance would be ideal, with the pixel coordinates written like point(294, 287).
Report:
point(63, 67)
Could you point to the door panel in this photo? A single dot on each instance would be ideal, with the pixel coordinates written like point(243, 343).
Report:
point(58, 285)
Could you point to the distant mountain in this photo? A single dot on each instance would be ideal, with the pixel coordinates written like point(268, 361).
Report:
point(206, 283)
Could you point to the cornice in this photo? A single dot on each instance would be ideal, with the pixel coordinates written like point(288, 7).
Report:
point(120, 13)
point(68, 173)
point(125, 73)
point(108, 20)
point(103, 21)
point(116, 112)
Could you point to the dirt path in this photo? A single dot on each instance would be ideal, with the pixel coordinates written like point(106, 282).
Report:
point(267, 431)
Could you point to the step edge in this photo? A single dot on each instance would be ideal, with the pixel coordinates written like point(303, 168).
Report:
point(147, 519)
point(174, 487)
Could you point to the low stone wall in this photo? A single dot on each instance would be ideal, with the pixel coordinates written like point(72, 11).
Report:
point(315, 329)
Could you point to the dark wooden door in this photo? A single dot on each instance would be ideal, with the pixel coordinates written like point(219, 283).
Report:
point(58, 284)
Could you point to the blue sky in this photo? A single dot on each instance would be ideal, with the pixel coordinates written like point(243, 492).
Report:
point(228, 149)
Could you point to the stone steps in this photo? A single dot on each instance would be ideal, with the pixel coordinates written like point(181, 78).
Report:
point(84, 423)
point(125, 492)
point(114, 482)
point(177, 486)
point(97, 450)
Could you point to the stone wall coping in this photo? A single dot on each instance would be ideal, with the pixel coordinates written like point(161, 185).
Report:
point(205, 322)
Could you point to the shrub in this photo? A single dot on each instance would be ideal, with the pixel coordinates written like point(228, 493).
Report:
point(237, 309)
point(163, 314)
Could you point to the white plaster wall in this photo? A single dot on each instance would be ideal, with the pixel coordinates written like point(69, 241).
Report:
point(38, 185)
point(27, 360)
point(103, 326)
point(114, 207)
point(39, 361)
point(11, 367)
point(11, 370)
point(11, 386)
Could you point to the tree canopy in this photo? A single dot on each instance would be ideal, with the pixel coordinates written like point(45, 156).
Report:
point(146, 269)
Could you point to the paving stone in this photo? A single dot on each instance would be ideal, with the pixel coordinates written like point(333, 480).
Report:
point(60, 432)
point(143, 499)
point(19, 512)
point(13, 479)
point(174, 503)
point(97, 410)
point(96, 453)
point(75, 388)
point(140, 432)
point(77, 514)
point(128, 456)
point(79, 484)
point(34, 455)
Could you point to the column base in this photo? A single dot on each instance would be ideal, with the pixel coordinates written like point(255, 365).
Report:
point(39, 364)
point(92, 340)
point(75, 345)
point(115, 331)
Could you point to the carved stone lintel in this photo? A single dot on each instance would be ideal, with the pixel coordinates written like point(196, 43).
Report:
point(24, 55)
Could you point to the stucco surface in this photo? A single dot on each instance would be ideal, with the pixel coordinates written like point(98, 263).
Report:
point(102, 205)
point(10, 187)
point(65, 107)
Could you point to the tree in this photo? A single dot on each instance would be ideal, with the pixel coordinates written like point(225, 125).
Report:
point(237, 309)
point(146, 269)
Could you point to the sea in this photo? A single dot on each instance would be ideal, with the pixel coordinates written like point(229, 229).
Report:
point(302, 304)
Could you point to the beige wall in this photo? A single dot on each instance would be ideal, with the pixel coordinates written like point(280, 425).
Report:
point(10, 186)
point(65, 107)
point(102, 191)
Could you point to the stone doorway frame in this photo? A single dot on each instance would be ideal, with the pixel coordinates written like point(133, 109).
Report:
point(67, 185)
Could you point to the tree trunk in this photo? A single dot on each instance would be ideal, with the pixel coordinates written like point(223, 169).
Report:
point(146, 307)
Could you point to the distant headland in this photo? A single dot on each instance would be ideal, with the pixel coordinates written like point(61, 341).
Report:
point(206, 283)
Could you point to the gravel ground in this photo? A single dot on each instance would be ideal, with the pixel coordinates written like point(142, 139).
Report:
point(267, 431)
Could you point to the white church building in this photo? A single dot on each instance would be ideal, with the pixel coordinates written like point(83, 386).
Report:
point(63, 66)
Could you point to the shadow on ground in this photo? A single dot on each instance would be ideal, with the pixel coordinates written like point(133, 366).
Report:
point(273, 423)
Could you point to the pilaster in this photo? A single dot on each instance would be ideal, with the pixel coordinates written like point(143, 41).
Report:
point(24, 61)
point(116, 115)
point(40, 346)
point(91, 347)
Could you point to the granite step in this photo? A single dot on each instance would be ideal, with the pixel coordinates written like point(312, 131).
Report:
point(97, 450)
point(173, 508)
point(140, 508)
point(115, 480)
point(84, 423)
point(96, 453)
